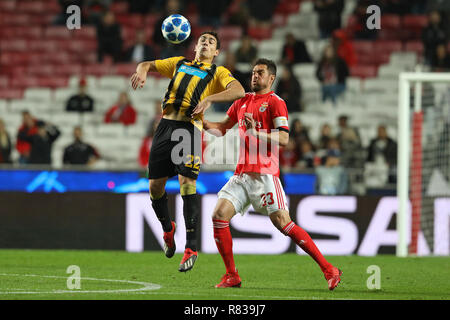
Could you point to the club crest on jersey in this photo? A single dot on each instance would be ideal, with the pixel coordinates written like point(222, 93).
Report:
point(263, 107)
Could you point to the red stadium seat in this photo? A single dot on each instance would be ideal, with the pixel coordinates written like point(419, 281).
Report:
point(130, 20)
point(363, 71)
point(259, 33)
point(58, 32)
point(287, 7)
point(151, 19)
point(415, 46)
point(97, 69)
point(390, 21)
point(4, 81)
point(41, 70)
point(30, 7)
point(85, 33)
point(125, 69)
point(387, 46)
point(363, 47)
point(414, 21)
point(229, 33)
point(53, 82)
point(9, 93)
point(119, 7)
point(13, 45)
point(68, 70)
point(7, 5)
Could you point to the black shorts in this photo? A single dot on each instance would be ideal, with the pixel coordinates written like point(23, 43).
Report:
point(176, 149)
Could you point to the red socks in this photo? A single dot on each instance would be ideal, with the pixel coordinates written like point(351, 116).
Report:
point(304, 241)
point(224, 243)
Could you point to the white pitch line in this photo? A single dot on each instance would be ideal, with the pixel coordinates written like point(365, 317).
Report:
point(146, 285)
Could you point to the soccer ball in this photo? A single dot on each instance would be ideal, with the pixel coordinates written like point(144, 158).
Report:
point(176, 28)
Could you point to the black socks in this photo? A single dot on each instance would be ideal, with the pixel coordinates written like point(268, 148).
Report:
point(162, 212)
point(191, 210)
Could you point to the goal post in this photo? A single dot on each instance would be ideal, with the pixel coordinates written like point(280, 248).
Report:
point(411, 160)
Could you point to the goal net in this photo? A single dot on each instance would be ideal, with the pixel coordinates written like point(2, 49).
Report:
point(423, 171)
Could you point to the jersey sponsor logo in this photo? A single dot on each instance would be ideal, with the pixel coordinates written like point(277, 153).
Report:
point(243, 106)
point(193, 71)
point(258, 124)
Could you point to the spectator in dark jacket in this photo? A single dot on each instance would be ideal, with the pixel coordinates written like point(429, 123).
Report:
point(382, 147)
point(294, 51)
point(80, 102)
point(80, 152)
point(329, 15)
point(109, 37)
point(247, 51)
point(441, 59)
point(332, 72)
point(290, 90)
point(433, 35)
point(140, 51)
point(41, 142)
point(5, 144)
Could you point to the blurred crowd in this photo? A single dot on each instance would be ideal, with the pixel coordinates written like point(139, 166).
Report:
point(338, 148)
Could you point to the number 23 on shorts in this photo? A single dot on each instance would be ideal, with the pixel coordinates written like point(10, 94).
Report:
point(267, 199)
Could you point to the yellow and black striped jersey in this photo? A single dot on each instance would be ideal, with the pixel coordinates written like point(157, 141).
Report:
point(191, 82)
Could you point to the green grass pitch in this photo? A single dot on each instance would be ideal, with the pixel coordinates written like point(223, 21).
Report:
point(42, 274)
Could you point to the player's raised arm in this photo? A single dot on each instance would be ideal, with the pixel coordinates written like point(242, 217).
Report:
point(140, 76)
point(233, 91)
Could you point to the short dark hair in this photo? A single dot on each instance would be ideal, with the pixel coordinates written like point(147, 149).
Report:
point(271, 66)
point(215, 35)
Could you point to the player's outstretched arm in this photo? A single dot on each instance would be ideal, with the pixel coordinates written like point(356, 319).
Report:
point(140, 76)
point(233, 92)
point(219, 128)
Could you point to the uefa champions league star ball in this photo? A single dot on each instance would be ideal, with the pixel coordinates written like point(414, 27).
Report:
point(176, 28)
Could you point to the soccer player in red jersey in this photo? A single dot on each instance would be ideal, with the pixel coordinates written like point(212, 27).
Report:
point(263, 126)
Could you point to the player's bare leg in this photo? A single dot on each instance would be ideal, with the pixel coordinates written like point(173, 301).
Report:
point(223, 213)
point(158, 198)
point(191, 211)
point(282, 221)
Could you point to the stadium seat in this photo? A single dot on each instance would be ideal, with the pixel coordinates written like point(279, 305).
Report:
point(363, 71)
point(38, 94)
point(229, 32)
point(390, 21)
point(415, 46)
point(362, 47)
point(287, 7)
point(259, 33)
point(414, 21)
point(304, 70)
point(119, 7)
point(85, 33)
point(111, 130)
point(130, 20)
point(117, 83)
point(58, 32)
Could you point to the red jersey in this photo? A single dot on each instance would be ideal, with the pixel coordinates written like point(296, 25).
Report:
point(269, 112)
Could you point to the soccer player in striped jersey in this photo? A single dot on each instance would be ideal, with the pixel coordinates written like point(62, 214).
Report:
point(262, 118)
point(176, 147)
